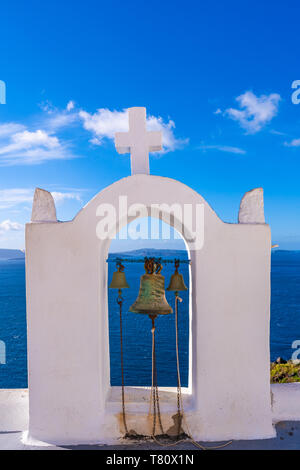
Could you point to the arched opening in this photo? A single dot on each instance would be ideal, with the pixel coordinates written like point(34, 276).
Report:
point(160, 240)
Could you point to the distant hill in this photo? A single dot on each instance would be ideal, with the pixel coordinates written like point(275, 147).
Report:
point(141, 253)
point(6, 254)
point(286, 251)
point(9, 254)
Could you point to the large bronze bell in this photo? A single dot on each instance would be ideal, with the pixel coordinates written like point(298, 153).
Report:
point(151, 299)
point(119, 280)
point(177, 282)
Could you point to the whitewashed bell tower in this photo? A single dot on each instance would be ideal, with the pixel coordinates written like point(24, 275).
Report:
point(71, 400)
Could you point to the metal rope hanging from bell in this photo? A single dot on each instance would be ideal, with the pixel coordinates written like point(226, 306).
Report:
point(177, 282)
point(119, 282)
point(151, 299)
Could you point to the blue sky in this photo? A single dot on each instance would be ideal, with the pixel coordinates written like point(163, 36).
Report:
point(215, 77)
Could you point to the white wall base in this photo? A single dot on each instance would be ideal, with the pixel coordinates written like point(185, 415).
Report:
point(14, 414)
point(14, 410)
point(285, 402)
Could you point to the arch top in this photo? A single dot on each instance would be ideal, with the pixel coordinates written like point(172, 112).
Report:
point(148, 190)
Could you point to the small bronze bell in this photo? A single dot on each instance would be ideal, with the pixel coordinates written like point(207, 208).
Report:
point(151, 299)
point(177, 282)
point(119, 280)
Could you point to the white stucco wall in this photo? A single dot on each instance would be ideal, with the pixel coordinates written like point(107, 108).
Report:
point(286, 402)
point(13, 410)
point(68, 351)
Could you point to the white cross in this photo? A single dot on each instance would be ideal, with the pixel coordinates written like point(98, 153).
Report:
point(138, 142)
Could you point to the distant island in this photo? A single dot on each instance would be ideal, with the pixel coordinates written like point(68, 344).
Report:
point(278, 251)
point(9, 254)
point(13, 254)
point(158, 253)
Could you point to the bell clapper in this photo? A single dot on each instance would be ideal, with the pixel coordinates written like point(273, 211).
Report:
point(152, 318)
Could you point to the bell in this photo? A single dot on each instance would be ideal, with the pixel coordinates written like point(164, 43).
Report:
point(151, 299)
point(177, 282)
point(119, 280)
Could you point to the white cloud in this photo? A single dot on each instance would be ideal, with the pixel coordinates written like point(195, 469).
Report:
point(170, 142)
point(47, 107)
point(55, 119)
point(255, 111)
point(26, 140)
point(13, 197)
point(61, 197)
point(293, 143)
point(59, 120)
point(20, 144)
point(274, 132)
point(218, 111)
point(10, 128)
point(30, 147)
point(95, 141)
point(223, 148)
point(10, 198)
point(104, 123)
point(8, 226)
point(70, 105)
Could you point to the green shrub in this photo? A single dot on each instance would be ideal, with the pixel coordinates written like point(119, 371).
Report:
point(285, 373)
